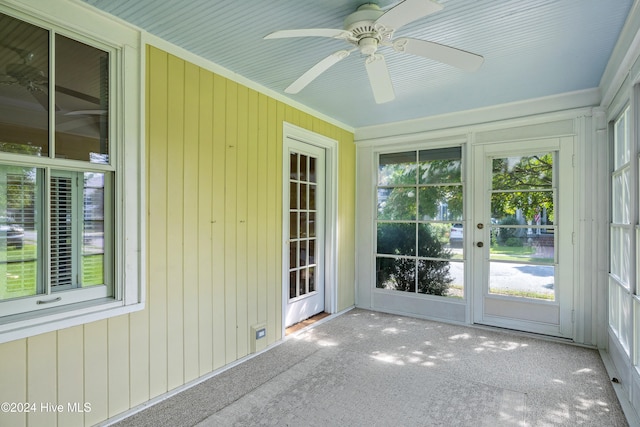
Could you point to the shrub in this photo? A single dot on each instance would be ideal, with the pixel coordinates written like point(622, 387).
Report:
point(513, 242)
point(505, 234)
point(399, 273)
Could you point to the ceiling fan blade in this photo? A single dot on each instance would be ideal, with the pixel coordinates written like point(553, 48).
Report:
point(41, 97)
point(380, 79)
point(316, 70)
point(79, 95)
point(309, 32)
point(406, 12)
point(458, 58)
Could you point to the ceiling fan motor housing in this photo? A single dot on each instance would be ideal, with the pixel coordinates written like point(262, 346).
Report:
point(361, 22)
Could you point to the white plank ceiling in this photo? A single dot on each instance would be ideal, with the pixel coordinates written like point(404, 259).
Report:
point(532, 48)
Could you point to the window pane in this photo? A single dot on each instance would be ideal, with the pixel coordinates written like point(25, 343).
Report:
point(621, 146)
point(397, 169)
point(312, 169)
point(293, 225)
point(293, 195)
point(456, 239)
point(523, 245)
point(519, 280)
point(442, 202)
point(396, 239)
point(312, 279)
point(432, 241)
point(293, 284)
point(621, 196)
point(534, 208)
point(397, 203)
point(304, 164)
point(82, 101)
point(19, 230)
point(293, 166)
point(523, 173)
point(397, 274)
point(434, 277)
point(93, 247)
point(24, 87)
point(440, 166)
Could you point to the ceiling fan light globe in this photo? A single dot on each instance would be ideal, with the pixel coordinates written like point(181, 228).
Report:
point(368, 45)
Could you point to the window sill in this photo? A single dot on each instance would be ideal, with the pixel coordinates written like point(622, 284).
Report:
point(26, 325)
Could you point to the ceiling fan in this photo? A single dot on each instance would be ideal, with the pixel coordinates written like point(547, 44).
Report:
point(369, 28)
point(27, 76)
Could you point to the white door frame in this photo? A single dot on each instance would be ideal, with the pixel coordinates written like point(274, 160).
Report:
point(565, 212)
point(290, 131)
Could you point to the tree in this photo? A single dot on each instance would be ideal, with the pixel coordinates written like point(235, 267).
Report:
point(531, 174)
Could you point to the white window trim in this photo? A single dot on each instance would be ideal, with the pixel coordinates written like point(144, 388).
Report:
point(81, 21)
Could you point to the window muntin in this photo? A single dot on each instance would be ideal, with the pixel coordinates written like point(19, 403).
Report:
point(419, 206)
point(64, 212)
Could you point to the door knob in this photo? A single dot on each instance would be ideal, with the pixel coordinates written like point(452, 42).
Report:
point(479, 244)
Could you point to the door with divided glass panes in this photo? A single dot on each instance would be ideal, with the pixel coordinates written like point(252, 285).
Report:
point(521, 235)
point(304, 231)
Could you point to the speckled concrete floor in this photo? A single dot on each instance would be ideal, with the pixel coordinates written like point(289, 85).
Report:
point(372, 369)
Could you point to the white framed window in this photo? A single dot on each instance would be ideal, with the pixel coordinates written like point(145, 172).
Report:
point(419, 217)
point(69, 166)
point(621, 230)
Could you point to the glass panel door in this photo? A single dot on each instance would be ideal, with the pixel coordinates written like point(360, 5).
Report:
point(303, 238)
point(523, 255)
point(522, 247)
point(304, 193)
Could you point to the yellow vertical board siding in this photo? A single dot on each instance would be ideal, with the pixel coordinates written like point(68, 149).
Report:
point(96, 368)
point(42, 378)
point(231, 223)
point(70, 371)
point(277, 240)
point(253, 214)
point(242, 328)
point(263, 225)
point(218, 220)
point(273, 223)
point(190, 214)
point(205, 200)
point(139, 357)
point(175, 222)
point(157, 220)
point(118, 364)
point(13, 380)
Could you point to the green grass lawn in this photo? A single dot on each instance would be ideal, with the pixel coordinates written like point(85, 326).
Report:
point(524, 294)
point(517, 253)
point(20, 278)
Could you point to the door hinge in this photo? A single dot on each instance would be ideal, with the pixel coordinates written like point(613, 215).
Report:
point(573, 316)
point(573, 238)
point(573, 160)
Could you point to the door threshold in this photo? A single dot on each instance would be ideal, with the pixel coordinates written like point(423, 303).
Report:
point(545, 337)
point(303, 324)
